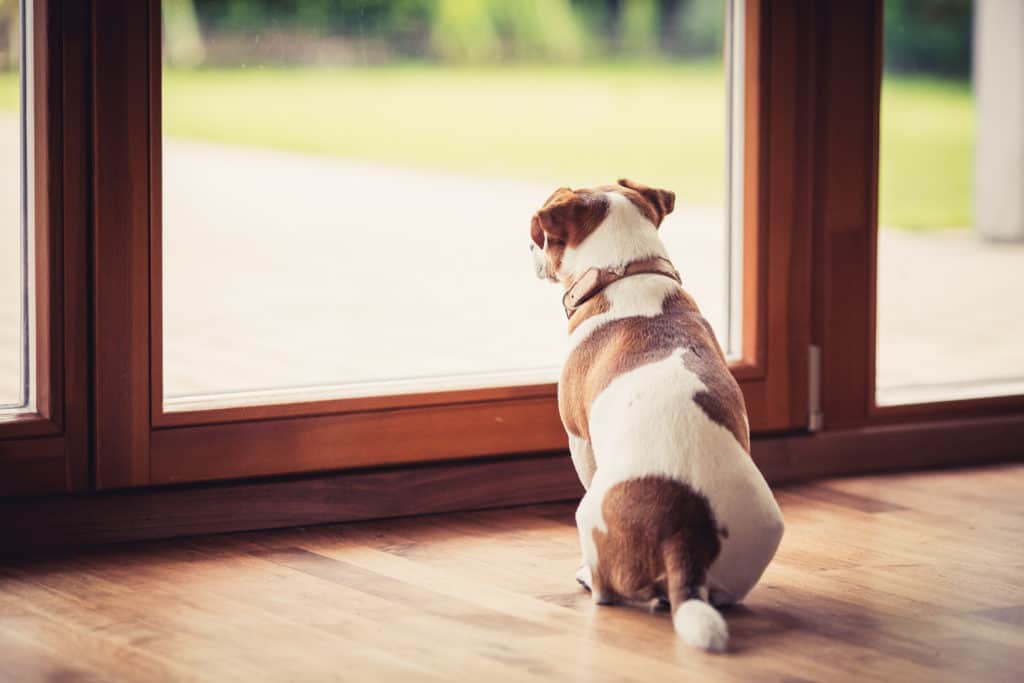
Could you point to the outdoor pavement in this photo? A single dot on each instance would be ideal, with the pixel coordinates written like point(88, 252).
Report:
point(10, 263)
point(284, 271)
point(950, 313)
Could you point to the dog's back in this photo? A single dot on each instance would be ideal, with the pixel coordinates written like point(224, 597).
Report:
point(676, 508)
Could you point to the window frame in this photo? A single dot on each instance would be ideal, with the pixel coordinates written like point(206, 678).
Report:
point(139, 443)
point(45, 449)
point(846, 243)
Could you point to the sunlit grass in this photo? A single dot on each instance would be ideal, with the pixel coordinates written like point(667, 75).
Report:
point(664, 124)
point(567, 126)
point(927, 153)
point(8, 90)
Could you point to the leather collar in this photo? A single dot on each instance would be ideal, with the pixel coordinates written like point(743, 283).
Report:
point(593, 281)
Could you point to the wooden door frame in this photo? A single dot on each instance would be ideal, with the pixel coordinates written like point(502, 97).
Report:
point(846, 239)
point(46, 450)
point(138, 443)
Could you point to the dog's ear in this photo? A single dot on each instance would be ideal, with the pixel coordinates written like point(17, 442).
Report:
point(655, 203)
point(568, 216)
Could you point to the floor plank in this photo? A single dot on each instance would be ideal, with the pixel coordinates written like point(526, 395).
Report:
point(904, 577)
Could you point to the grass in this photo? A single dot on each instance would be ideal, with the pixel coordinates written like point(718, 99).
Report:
point(564, 126)
point(926, 160)
point(663, 124)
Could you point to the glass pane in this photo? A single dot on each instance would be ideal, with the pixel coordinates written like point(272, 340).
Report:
point(348, 185)
point(951, 238)
point(13, 293)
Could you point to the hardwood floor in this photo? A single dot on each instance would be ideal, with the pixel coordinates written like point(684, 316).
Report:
point(895, 578)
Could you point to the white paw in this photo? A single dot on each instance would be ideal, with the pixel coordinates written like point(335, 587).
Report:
point(584, 577)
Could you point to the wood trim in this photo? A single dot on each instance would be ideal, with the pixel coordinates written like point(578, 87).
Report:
point(75, 129)
point(154, 91)
point(846, 210)
point(473, 484)
point(944, 410)
point(46, 130)
point(310, 444)
point(22, 425)
point(47, 450)
point(754, 340)
point(891, 448)
point(743, 372)
point(32, 467)
point(45, 416)
point(121, 216)
point(163, 513)
point(349, 405)
point(779, 210)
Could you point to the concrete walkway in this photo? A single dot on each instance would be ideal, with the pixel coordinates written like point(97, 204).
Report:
point(283, 271)
point(10, 263)
point(950, 313)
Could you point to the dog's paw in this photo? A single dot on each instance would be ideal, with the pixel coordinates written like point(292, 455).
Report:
point(584, 578)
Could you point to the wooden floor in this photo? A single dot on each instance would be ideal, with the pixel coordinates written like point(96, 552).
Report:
point(898, 578)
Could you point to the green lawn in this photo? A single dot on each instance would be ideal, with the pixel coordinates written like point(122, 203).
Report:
point(927, 154)
point(662, 124)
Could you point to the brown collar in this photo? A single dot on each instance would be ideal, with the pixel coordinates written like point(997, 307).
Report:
point(593, 281)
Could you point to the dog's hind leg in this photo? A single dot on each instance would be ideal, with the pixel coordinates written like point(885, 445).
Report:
point(601, 592)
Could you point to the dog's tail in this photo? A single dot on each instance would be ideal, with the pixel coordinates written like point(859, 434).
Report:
point(697, 622)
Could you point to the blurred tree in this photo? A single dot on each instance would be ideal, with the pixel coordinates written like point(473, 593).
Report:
point(645, 27)
point(638, 29)
point(464, 31)
point(613, 22)
point(929, 36)
point(600, 21)
point(10, 34)
point(183, 42)
point(534, 30)
point(921, 35)
point(491, 30)
point(668, 25)
point(701, 28)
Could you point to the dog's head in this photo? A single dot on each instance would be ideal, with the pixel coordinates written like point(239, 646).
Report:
point(620, 215)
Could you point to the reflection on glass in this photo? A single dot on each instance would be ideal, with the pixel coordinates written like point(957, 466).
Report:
point(951, 241)
point(12, 244)
point(347, 186)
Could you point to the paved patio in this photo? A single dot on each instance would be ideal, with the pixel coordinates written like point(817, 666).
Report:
point(10, 263)
point(283, 270)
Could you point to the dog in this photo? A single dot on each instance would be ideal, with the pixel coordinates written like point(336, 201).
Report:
point(675, 510)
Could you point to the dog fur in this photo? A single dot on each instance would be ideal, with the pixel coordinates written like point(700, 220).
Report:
point(675, 508)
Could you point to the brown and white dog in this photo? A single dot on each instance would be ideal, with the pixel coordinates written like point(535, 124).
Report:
point(675, 508)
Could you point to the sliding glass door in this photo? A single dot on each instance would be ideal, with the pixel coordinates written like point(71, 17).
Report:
point(15, 328)
point(43, 235)
point(346, 193)
point(951, 209)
